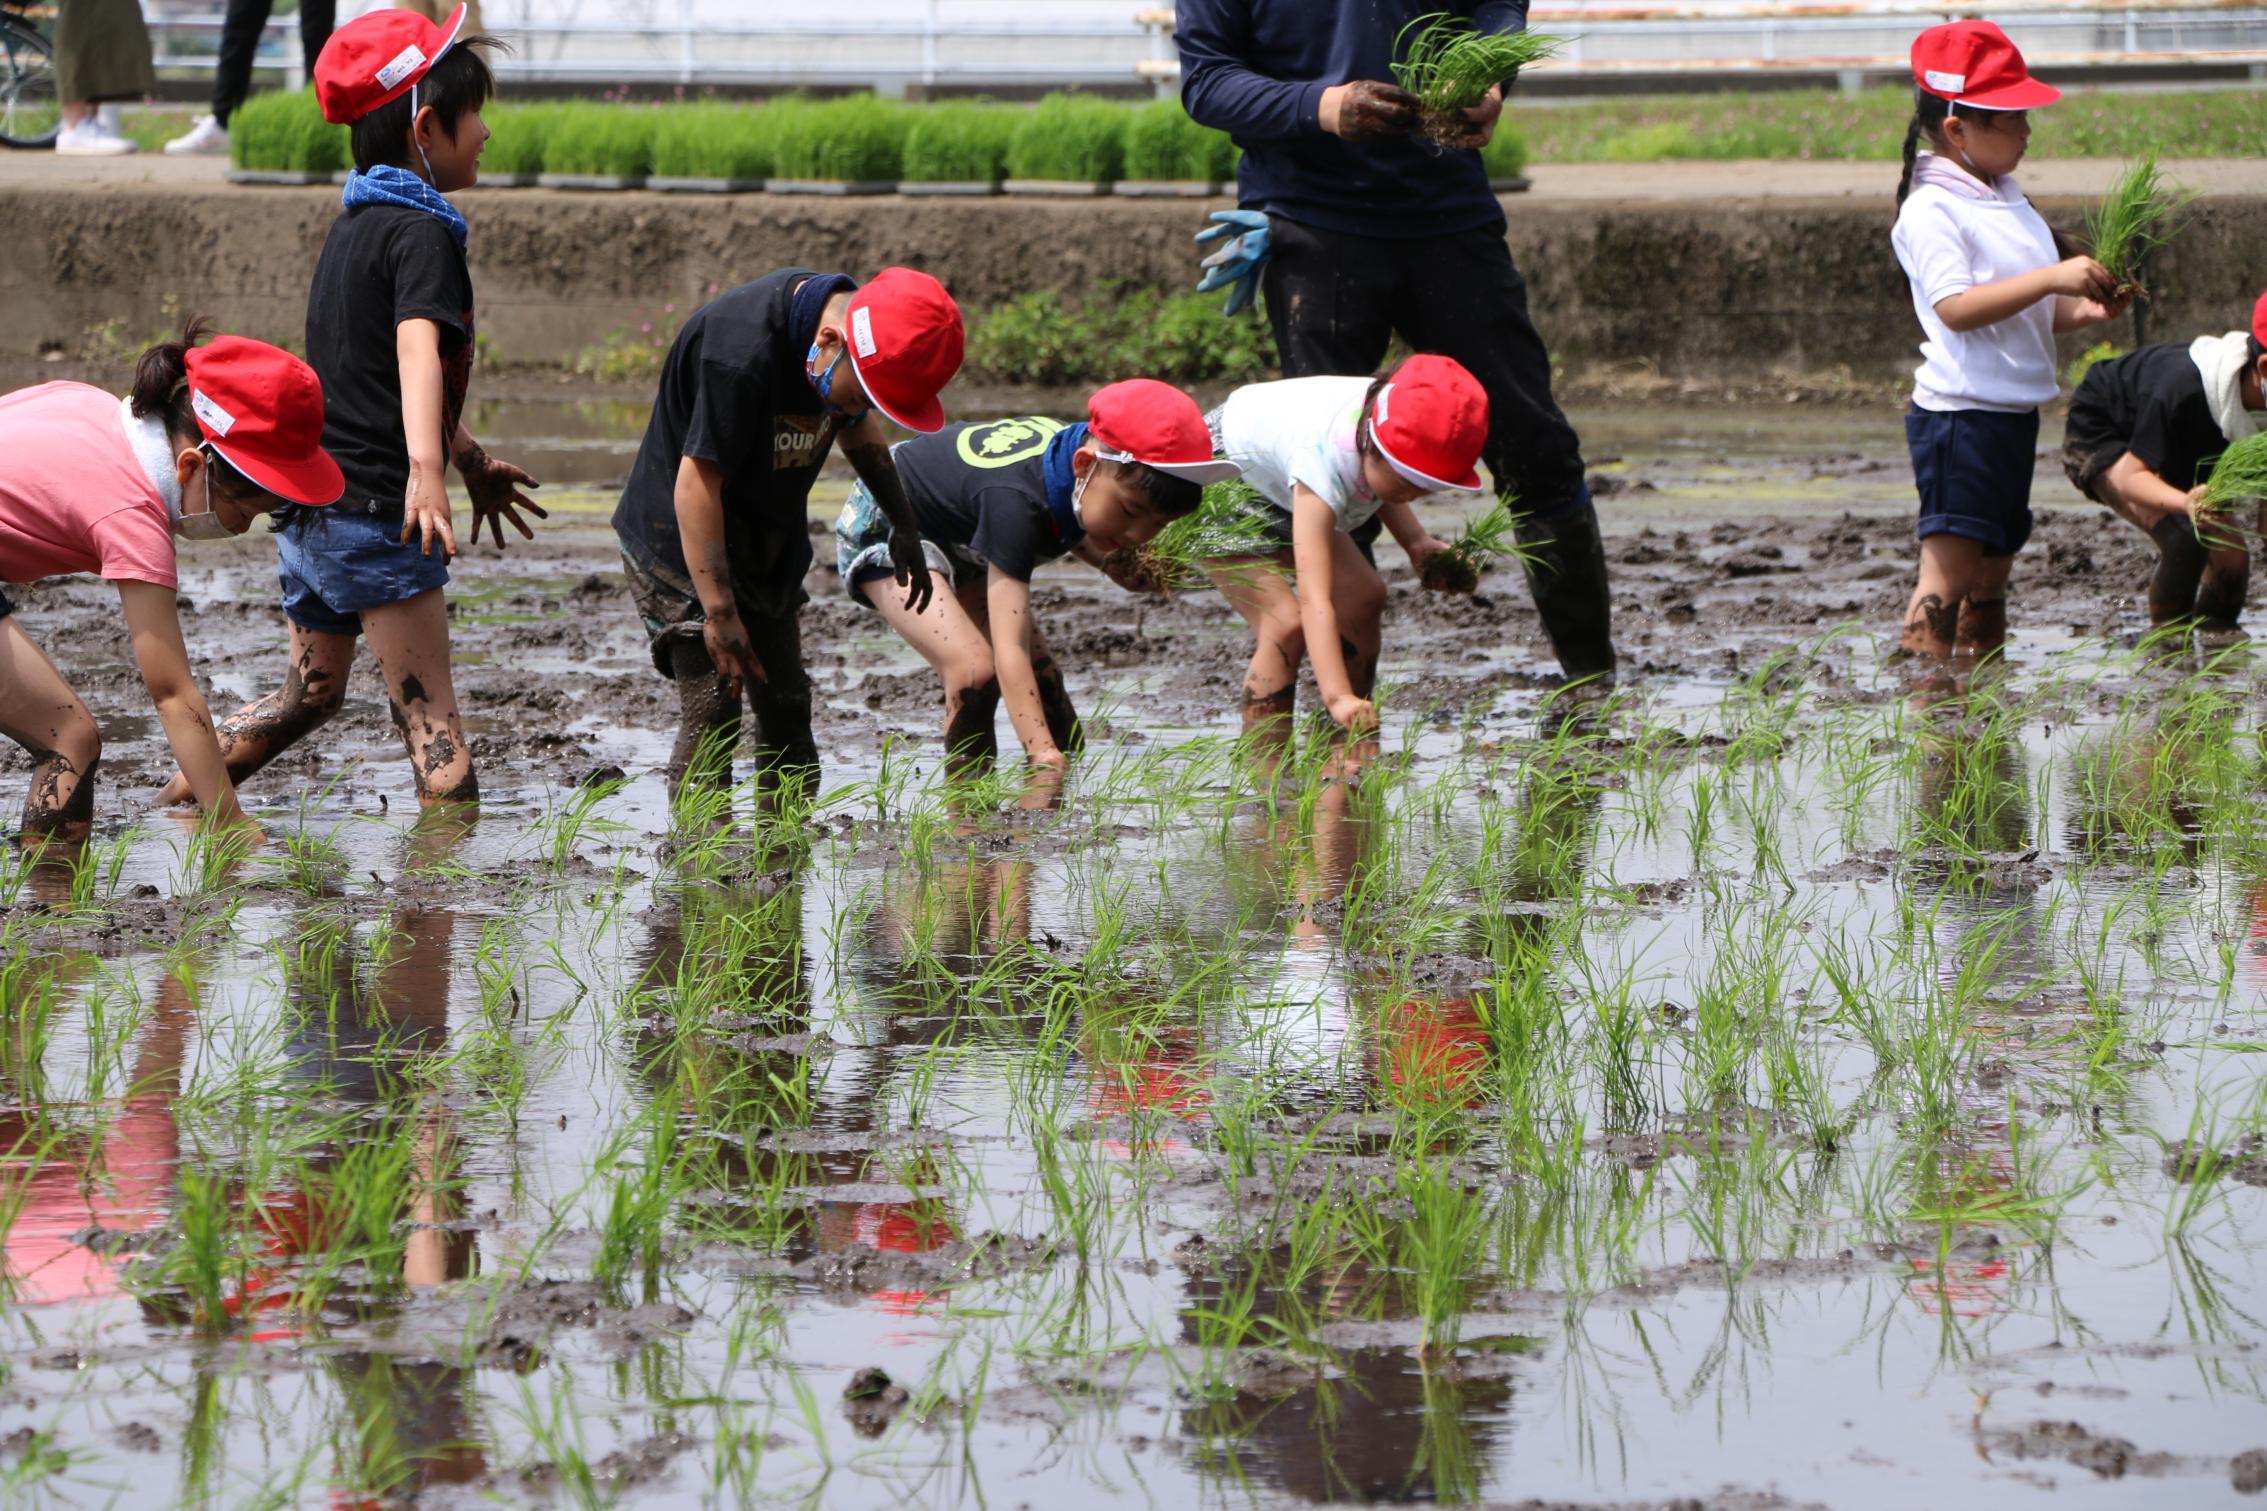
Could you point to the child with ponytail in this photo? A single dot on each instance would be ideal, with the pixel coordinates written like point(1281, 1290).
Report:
point(1991, 292)
point(212, 438)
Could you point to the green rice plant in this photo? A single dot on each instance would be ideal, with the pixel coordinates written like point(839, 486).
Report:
point(1162, 143)
point(1479, 544)
point(601, 140)
point(1230, 524)
point(518, 136)
point(1442, 1245)
point(859, 138)
point(284, 131)
point(711, 139)
point(2131, 221)
point(2238, 477)
point(1070, 138)
point(959, 142)
point(1046, 340)
point(1450, 66)
point(1505, 156)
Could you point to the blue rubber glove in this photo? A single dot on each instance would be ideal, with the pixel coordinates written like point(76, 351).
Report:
point(1239, 259)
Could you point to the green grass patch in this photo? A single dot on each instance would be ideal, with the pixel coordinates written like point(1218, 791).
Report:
point(857, 139)
point(284, 132)
point(1505, 156)
point(1043, 338)
point(1162, 143)
point(714, 140)
point(1071, 138)
point(592, 137)
point(959, 142)
point(520, 134)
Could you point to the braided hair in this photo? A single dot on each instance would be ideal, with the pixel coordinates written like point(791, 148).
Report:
point(1930, 111)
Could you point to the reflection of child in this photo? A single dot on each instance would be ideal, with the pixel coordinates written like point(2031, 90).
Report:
point(995, 500)
point(2144, 431)
point(1333, 460)
point(1990, 293)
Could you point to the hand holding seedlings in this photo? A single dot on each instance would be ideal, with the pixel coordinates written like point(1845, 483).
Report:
point(1451, 70)
point(1354, 713)
point(1366, 110)
point(1457, 565)
point(2238, 477)
point(2131, 221)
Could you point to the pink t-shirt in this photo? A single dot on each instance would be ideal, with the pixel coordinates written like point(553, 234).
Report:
point(73, 495)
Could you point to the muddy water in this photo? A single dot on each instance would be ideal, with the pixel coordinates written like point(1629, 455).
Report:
point(1802, 1049)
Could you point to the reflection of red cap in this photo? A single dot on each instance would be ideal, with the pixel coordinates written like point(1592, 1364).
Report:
point(1155, 424)
point(905, 341)
point(261, 408)
point(375, 59)
point(1430, 422)
point(2259, 321)
point(1972, 63)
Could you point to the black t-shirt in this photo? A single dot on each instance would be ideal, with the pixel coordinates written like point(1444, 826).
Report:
point(2151, 403)
point(381, 265)
point(733, 392)
point(980, 491)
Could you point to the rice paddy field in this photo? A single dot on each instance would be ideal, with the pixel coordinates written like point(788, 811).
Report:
point(1783, 1082)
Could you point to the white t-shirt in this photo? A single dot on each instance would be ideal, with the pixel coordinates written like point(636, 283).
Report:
point(1948, 242)
point(1301, 430)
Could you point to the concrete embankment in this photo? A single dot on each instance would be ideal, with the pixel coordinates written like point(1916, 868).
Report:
point(1696, 269)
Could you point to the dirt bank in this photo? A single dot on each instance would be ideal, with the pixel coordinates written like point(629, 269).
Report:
point(1695, 287)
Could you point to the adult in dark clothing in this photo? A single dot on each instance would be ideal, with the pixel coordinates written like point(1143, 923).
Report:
point(1370, 231)
point(240, 29)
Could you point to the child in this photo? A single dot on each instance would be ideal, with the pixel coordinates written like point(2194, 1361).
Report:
point(1334, 459)
point(993, 501)
point(753, 392)
point(1990, 293)
point(390, 330)
point(2144, 431)
point(211, 438)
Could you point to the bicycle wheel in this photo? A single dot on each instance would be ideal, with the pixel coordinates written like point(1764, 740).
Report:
point(30, 113)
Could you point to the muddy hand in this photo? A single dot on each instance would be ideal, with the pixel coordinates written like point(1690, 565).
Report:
point(728, 649)
point(912, 563)
point(1366, 110)
point(425, 516)
point(494, 488)
point(1478, 126)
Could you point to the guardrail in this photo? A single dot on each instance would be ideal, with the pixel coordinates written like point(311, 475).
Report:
point(923, 44)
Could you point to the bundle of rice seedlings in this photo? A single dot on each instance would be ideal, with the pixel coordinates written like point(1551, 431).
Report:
point(1232, 522)
point(858, 139)
point(285, 132)
point(1164, 145)
point(601, 140)
point(1450, 67)
point(1479, 544)
point(2133, 219)
point(712, 140)
point(959, 143)
point(515, 150)
point(1070, 138)
point(2238, 477)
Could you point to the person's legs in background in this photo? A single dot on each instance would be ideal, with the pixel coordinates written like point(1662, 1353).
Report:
point(102, 52)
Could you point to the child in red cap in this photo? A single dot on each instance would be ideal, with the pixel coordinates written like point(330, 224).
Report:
point(995, 499)
point(757, 385)
point(390, 329)
point(1991, 291)
point(212, 438)
point(1333, 460)
point(2144, 431)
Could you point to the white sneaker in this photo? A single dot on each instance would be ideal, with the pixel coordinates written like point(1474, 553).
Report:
point(206, 138)
point(90, 139)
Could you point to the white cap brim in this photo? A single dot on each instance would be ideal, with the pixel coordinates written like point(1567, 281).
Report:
point(1205, 474)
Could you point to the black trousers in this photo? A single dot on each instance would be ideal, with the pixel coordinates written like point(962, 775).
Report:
point(1335, 302)
point(240, 40)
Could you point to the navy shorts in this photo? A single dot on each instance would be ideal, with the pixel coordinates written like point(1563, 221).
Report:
point(1973, 469)
point(339, 561)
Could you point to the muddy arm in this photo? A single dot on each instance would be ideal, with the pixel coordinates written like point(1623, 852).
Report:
point(153, 619)
point(1010, 604)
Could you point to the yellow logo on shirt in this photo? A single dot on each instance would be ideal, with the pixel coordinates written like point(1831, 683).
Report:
point(1003, 443)
point(800, 442)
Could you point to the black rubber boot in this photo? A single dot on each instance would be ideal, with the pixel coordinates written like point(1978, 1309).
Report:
point(1567, 575)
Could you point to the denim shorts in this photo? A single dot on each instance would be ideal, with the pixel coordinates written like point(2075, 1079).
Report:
point(1973, 470)
point(861, 546)
point(339, 561)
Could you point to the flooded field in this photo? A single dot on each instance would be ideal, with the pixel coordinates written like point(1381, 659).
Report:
point(1781, 1084)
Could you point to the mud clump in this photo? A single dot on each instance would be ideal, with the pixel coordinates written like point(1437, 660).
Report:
point(872, 1400)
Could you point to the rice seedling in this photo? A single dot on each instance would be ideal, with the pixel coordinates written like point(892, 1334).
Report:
point(519, 135)
point(717, 141)
point(2238, 477)
point(284, 131)
point(1450, 65)
point(601, 140)
point(1163, 144)
point(858, 139)
point(959, 142)
point(1070, 138)
point(1231, 523)
point(2133, 219)
point(1478, 545)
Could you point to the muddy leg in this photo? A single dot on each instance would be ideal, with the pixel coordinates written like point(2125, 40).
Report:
point(1054, 698)
point(1932, 618)
point(411, 641)
point(1982, 626)
point(39, 711)
point(1358, 594)
point(2225, 579)
point(1270, 605)
point(708, 721)
point(787, 754)
point(313, 691)
point(2180, 568)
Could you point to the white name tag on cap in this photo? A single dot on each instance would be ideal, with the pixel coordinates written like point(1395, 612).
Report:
point(212, 414)
point(862, 331)
point(404, 64)
point(1385, 395)
point(1950, 83)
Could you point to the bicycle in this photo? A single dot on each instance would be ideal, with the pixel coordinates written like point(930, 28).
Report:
point(31, 114)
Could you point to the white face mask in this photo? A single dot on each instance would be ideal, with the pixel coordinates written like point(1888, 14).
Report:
point(205, 526)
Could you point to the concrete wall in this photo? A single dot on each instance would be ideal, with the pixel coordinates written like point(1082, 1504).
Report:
point(1693, 288)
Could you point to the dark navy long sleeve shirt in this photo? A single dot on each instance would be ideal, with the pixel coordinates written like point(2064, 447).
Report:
point(1256, 69)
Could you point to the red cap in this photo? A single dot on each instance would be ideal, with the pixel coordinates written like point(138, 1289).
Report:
point(905, 341)
point(1972, 63)
point(376, 58)
point(1430, 422)
point(261, 408)
point(1155, 424)
point(2259, 321)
